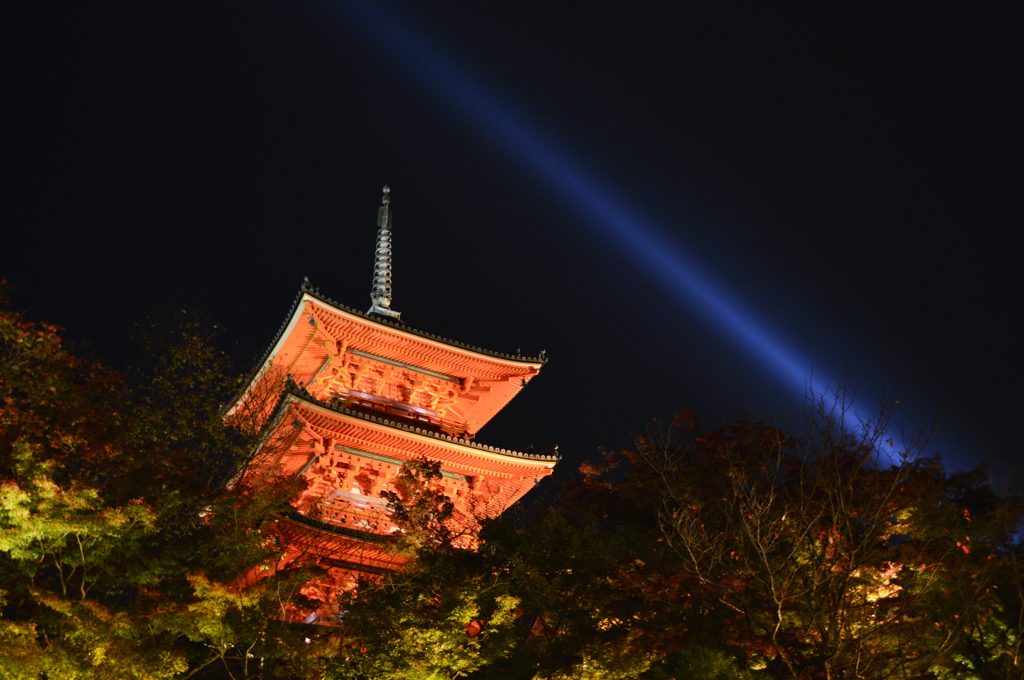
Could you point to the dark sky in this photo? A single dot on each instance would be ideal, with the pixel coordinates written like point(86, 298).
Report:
point(851, 180)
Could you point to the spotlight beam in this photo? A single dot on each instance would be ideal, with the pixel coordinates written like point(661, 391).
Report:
point(623, 224)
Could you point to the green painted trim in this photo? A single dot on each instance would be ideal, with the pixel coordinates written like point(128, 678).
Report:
point(388, 459)
point(417, 369)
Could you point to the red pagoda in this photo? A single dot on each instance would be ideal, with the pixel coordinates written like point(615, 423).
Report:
point(362, 394)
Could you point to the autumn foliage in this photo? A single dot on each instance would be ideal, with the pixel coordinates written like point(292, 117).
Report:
point(128, 548)
point(739, 552)
point(119, 541)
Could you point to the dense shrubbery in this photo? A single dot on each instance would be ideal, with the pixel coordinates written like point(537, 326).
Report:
point(735, 553)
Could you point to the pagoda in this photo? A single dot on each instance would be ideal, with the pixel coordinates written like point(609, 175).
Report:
point(348, 397)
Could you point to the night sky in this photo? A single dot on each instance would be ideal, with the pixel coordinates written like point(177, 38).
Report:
point(847, 184)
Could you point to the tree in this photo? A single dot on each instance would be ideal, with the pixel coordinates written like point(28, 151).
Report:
point(580, 589)
point(132, 547)
point(121, 546)
point(444, 615)
point(827, 556)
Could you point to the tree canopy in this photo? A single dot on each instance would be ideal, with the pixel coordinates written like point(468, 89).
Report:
point(119, 539)
point(738, 552)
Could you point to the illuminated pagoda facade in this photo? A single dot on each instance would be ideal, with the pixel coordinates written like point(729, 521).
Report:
point(363, 394)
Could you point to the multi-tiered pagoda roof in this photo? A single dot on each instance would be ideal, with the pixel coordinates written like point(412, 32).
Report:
point(350, 397)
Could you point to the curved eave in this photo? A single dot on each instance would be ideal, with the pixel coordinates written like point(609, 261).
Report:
point(527, 366)
point(355, 534)
point(313, 295)
point(295, 395)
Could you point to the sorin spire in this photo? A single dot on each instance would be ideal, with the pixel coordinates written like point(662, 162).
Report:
point(380, 295)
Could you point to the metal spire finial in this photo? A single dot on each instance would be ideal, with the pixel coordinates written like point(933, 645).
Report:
point(380, 295)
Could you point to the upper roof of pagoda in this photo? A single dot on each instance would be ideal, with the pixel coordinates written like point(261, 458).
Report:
point(338, 353)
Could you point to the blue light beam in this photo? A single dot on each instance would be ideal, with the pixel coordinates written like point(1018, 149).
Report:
point(625, 225)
